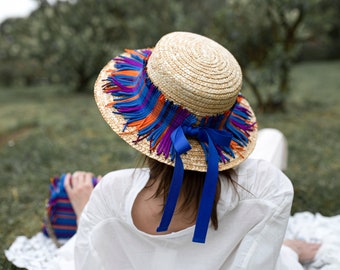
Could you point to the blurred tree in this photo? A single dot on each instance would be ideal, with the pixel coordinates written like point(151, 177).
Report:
point(17, 63)
point(323, 28)
point(76, 39)
point(73, 44)
point(69, 41)
point(265, 37)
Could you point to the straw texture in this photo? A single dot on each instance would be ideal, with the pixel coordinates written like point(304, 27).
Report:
point(195, 72)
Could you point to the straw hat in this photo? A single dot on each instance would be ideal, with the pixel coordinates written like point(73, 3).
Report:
point(187, 79)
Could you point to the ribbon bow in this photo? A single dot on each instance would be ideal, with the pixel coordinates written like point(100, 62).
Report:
point(209, 139)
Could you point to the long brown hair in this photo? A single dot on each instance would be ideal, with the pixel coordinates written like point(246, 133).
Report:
point(191, 190)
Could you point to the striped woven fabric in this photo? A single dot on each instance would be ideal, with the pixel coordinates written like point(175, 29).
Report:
point(61, 220)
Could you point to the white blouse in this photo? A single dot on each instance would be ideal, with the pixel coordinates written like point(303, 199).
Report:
point(252, 225)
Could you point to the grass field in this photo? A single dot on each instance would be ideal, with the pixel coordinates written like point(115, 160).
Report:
point(45, 131)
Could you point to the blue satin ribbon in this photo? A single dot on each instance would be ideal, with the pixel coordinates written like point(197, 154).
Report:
point(211, 138)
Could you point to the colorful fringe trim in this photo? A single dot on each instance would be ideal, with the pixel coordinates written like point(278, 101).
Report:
point(145, 108)
point(167, 125)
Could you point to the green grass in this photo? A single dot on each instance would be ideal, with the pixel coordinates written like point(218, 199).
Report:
point(46, 131)
point(312, 127)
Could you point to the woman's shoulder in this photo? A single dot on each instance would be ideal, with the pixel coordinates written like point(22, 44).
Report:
point(263, 179)
point(261, 170)
point(116, 187)
point(124, 176)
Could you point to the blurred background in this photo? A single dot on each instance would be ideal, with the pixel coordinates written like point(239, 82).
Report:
point(50, 55)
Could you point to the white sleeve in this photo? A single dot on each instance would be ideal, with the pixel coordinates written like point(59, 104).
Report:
point(275, 191)
point(94, 213)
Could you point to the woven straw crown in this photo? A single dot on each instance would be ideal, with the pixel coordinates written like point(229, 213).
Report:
point(191, 74)
point(195, 72)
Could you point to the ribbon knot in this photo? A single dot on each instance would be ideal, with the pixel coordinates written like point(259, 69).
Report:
point(190, 131)
point(210, 140)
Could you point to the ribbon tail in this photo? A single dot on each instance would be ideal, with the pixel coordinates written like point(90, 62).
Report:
point(208, 195)
point(181, 145)
point(173, 194)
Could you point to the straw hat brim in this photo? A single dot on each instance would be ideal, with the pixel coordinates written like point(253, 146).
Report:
point(193, 160)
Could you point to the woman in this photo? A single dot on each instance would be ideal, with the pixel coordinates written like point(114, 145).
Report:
point(201, 204)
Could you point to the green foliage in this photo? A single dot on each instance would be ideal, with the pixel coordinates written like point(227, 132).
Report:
point(68, 42)
point(266, 37)
point(72, 41)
